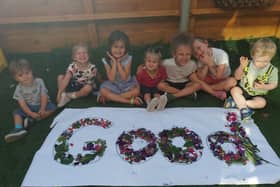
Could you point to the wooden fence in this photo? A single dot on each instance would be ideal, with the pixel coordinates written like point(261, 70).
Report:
point(41, 25)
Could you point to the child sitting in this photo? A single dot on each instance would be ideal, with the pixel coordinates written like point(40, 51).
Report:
point(79, 79)
point(120, 86)
point(148, 76)
point(32, 97)
point(257, 77)
point(213, 67)
point(181, 77)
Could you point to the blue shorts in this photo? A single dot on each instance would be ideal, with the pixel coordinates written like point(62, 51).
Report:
point(34, 108)
point(149, 90)
point(120, 87)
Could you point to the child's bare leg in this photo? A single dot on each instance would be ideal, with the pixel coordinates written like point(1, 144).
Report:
point(238, 97)
point(256, 102)
point(165, 87)
point(134, 92)
point(147, 98)
point(82, 92)
point(189, 89)
point(62, 83)
point(18, 120)
point(113, 97)
point(226, 84)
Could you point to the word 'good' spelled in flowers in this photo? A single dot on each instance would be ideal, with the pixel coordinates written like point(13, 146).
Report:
point(244, 151)
point(91, 149)
point(190, 152)
point(125, 145)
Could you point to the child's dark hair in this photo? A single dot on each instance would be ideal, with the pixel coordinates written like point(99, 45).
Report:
point(118, 36)
point(181, 39)
point(19, 65)
point(154, 50)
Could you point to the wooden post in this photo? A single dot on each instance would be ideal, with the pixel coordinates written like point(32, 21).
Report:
point(92, 29)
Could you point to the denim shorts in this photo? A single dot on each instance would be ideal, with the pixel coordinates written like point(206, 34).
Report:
point(150, 90)
point(34, 108)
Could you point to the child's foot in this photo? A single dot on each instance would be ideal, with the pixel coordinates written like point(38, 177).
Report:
point(246, 113)
point(64, 99)
point(222, 95)
point(100, 99)
point(162, 102)
point(71, 95)
point(15, 134)
point(152, 105)
point(136, 101)
point(28, 123)
point(229, 103)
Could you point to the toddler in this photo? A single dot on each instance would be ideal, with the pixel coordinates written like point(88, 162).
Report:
point(149, 75)
point(32, 97)
point(79, 79)
point(257, 77)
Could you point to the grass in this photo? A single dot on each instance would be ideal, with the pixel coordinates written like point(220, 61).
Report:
point(16, 157)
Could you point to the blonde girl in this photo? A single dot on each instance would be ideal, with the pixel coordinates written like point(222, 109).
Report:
point(149, 75)
point(80, 76)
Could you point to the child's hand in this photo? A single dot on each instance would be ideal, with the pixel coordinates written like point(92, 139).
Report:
point(35, 115)
point(112, 58)
point(259, 85)
point(243, 61)
point(42, 113)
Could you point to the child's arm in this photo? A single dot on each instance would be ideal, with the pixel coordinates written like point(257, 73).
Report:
point(26, 110)
point(44, 102)
point(202, 72)
point(263, 86)
point(239, 71)
point(140, 68)
point(111, 70)
point(124, 71)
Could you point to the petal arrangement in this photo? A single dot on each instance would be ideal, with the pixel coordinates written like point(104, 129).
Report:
point(191, 150)
point(126, 151)
point(91, 149)
point(245, 150)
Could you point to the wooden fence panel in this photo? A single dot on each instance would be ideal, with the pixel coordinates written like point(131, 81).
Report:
point(41, 25)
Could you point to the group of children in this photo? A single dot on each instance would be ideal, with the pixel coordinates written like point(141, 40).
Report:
point(156, 83)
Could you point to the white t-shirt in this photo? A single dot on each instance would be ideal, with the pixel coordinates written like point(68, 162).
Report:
point(219, 57)
point(178, 74)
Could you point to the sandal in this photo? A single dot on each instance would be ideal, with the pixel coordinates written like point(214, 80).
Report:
point(136, 101)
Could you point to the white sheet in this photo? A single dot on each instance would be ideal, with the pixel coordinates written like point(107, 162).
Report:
point(111, 170)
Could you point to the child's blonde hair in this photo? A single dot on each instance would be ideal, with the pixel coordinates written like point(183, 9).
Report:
point(154, 51)
point(264, 47)
point(18, 66)
point(78, 46)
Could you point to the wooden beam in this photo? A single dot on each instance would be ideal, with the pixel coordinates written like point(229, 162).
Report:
point(241, 12)
point(88, 17)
